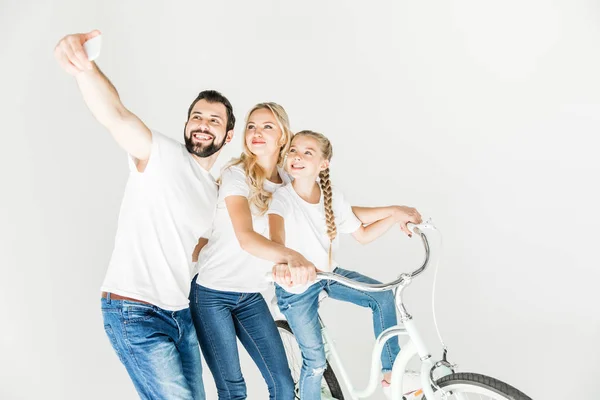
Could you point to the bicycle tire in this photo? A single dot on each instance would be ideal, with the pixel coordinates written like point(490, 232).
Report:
point(494, 387)
point(328, 375)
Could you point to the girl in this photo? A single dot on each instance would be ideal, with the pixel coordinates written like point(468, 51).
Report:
point(307, 216)
point(225, 299)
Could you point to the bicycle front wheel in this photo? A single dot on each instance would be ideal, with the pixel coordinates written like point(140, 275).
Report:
point(467, 386)
point(330, 387)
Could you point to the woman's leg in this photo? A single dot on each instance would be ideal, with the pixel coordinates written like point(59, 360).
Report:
point(382, 305)
point(213, 320)
point(301, 312)
point(256, 329)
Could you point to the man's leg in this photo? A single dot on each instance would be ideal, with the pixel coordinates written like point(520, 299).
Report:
point(259, 335)
point(191, 361)
point(144, 337)
point(211, 313)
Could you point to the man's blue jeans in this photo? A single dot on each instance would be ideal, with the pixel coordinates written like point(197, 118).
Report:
point(301, 312)
point(219, 318)
point(158, 348)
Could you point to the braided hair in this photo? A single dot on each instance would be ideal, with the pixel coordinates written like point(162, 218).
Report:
point(325, 184)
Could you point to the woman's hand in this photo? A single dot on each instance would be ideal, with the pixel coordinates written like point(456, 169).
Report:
point(297, 271)
point(282, 275)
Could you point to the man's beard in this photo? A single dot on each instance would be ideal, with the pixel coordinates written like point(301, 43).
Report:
point(201, 150)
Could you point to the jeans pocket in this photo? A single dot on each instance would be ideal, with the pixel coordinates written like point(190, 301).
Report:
point(137, 312)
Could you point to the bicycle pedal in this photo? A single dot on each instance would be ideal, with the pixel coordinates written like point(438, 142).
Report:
point(414, 395)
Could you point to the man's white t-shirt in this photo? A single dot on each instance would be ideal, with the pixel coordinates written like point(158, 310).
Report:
point(306, 226)
point(222, 263)
point(165, 210)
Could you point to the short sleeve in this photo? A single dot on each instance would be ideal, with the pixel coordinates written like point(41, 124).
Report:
point(278, 205)
point(233, 183)
point(163, 150)
point(345, 219)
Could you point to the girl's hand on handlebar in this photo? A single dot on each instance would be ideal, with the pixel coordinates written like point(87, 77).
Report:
point(404, 215)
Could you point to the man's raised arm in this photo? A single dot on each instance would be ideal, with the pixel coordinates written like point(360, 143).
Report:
point(102, 98)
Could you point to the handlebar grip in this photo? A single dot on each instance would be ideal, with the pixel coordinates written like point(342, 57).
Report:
point(411, 227)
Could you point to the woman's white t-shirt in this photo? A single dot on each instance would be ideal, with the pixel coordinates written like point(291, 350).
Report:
point(306, 226)
point(222, 263)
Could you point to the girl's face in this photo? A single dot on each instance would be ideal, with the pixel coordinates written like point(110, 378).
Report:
point(305, 159)
point(263, 134)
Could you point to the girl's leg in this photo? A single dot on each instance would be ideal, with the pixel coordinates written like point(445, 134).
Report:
point(211, 313)
point(382, 305)
point(301, 312)
point(258, 333)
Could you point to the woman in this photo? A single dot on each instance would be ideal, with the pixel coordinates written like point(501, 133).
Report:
point(225, 296)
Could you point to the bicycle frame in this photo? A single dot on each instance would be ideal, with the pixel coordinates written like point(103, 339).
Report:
point(414, 346)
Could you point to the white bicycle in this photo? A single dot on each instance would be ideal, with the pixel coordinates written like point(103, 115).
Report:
point(438, 379)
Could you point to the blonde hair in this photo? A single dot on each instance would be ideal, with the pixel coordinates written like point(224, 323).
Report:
point(325, 183)
point(255, 174)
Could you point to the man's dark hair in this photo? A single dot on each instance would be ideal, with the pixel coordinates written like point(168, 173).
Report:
point(212, 96)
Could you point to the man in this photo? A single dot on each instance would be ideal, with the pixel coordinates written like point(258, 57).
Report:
point(168, 204)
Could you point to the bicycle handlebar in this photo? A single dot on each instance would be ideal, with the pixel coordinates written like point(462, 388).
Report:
point(382, 287)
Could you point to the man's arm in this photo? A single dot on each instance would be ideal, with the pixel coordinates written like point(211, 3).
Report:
point(196, 253)
point(102, 98)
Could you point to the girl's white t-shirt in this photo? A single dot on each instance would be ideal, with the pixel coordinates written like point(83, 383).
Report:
point(306, 226)
point(222, 263)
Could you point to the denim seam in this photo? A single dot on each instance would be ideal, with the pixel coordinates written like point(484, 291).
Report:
point(134, 358)
point(240, 299)
point(179, 330)
point(259, 352)
point(213, 347)
point(152, 313)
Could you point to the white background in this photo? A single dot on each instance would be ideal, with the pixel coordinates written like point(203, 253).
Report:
point(482, 114)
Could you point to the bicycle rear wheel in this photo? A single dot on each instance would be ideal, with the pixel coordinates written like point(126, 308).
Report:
point(469, 386)
point(330, 387)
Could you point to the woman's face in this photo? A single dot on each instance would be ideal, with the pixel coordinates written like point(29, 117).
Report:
point(263, 135)
point(305, 159)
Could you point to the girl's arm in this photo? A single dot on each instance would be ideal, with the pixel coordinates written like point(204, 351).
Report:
point(366, 234)
point(302, 270)
point(401, 214)
point(368, 215)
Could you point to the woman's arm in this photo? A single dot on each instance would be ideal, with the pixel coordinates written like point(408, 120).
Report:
point(281, 272)
point(301, 269)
